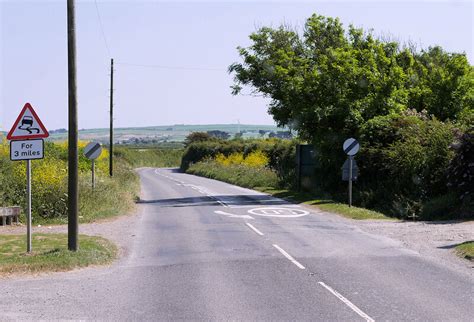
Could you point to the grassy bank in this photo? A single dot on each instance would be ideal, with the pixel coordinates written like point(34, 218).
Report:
point(466, 250)
point(50, 253)
point(111, 196)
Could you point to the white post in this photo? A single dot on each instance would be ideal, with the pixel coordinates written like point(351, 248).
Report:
point(350, 180)
point(93, 174)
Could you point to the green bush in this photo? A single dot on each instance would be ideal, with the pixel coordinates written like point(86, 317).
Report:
point(440, 208)
point(403, 162)
point(461, 173)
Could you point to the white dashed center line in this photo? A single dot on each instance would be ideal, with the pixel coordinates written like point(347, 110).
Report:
point(294, 261)
point(347, 302)
point(254, 229)
point(281, 250)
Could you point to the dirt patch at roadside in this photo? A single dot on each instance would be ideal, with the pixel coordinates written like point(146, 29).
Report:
point(436, 240)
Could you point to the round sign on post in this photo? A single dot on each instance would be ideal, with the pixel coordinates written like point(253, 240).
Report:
point(92, 151)
point(351, 146)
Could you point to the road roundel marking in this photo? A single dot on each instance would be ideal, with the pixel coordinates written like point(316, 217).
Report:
point(278, 212)
point(351, 146)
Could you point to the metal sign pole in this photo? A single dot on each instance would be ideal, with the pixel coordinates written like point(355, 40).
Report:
point(93, 174)
point(28, 211)
point(350, 180)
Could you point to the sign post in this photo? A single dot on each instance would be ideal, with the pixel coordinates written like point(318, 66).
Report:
point(92, 151)
point(350, 180)
point(26, 144)
point(350, 147)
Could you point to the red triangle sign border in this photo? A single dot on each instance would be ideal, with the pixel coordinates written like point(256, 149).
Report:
point(45, 133)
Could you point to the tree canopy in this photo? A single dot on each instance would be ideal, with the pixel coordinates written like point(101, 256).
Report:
point(327, 82)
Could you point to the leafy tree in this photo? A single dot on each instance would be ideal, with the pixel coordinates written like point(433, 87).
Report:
point(327, 83)
point(442, 84)
point(194, 137)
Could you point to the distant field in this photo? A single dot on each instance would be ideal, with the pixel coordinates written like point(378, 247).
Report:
point(165, 133)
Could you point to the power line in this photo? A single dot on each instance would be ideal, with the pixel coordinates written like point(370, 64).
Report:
point(173, 67)
point(102, 29)
point(144, 65)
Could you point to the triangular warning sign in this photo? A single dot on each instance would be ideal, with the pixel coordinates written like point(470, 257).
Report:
point(27, 126)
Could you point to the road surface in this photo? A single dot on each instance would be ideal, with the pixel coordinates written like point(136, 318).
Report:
point(207, 250)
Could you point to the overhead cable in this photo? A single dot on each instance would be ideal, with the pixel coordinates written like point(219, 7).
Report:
point(173, 67)
point(102, 29)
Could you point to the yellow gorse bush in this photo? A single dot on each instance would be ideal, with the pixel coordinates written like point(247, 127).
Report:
point(233, 159)
point(256, 159)
point(4, 149)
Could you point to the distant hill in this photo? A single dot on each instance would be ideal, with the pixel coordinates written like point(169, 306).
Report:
point(164, 133)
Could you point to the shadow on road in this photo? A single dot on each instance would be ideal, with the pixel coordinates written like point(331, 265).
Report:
point(455, 245)
point(236, 200)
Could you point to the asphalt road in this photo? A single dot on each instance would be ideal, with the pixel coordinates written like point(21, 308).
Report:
point(207, 250)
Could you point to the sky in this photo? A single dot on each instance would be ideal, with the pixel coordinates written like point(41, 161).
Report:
point(171, 57)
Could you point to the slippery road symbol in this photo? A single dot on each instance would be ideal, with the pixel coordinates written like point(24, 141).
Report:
point(26, 125)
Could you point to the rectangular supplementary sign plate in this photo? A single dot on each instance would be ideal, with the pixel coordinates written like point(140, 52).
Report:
point(26, 150)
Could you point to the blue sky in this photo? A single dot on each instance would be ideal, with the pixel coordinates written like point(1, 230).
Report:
point(202, 36)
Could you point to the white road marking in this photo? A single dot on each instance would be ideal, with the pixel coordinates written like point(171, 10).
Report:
point(294, 261)
point(169, 177)
point(278, 212)
point(347, 302)
point(254, 229)
point(232, 215)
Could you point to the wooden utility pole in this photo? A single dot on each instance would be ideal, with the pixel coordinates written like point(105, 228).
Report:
point(111, 149)
point(72, 130)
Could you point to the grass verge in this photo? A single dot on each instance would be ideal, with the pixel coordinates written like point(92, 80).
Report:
point(466, 250)
point(326, 204)
point(50, 253)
